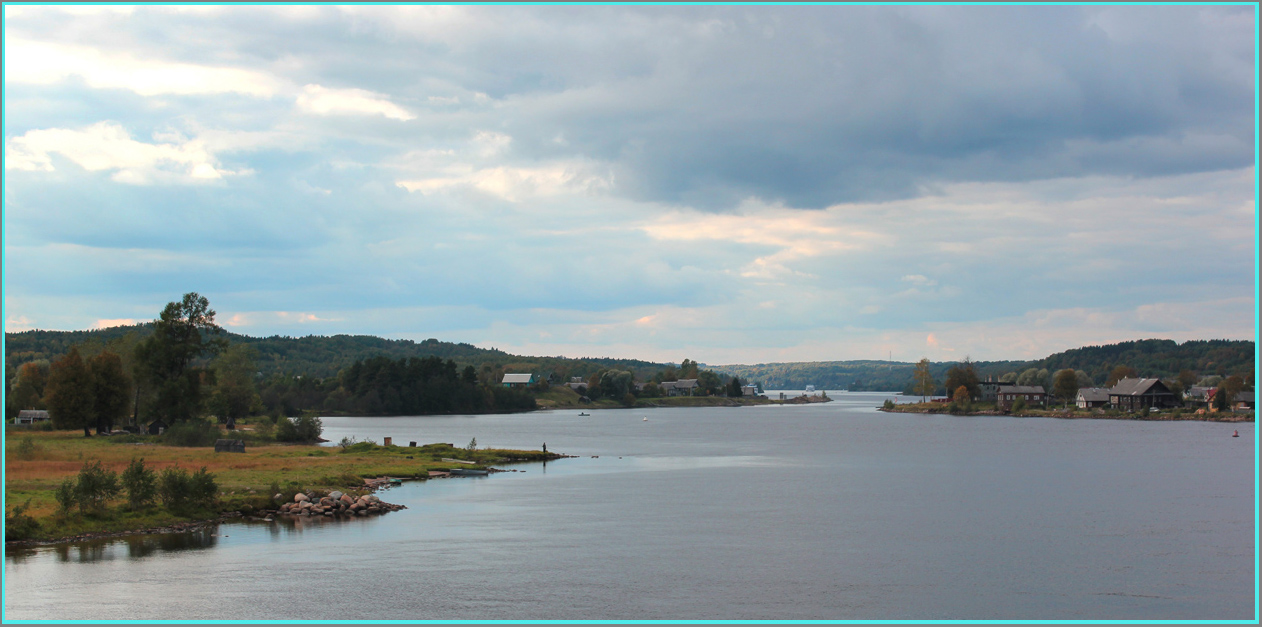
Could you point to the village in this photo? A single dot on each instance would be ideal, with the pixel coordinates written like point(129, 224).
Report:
point(1130, 395)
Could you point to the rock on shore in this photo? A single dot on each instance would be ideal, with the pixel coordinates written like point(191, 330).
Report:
point(337, 504)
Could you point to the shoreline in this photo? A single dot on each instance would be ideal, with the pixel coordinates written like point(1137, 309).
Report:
point(1074, 415)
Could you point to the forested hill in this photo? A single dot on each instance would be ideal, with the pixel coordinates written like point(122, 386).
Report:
point(1150, 358)
point(316, 356)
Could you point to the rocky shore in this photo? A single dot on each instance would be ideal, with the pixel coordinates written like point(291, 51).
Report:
point(336, 503)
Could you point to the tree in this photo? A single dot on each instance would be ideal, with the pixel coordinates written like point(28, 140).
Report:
point(734, 387)
point(235, 396)
point(184, 332)
point(1226, 392)
point(1084, 379)
point(1066, 384)
point(688, 370)
point(69, 393)
point(1187, 378)
point(111, 390)
point(140, 483)
point(708, 382)
point(964, 375)
point(27, 391)
point(1120, 372)
point(962, 398)
point(1010, 377)
point(922, 380)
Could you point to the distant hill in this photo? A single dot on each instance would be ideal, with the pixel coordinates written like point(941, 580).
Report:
point(1151, 358)
point(322, 356)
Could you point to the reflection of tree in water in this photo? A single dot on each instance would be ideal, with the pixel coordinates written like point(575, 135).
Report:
point(137, 546)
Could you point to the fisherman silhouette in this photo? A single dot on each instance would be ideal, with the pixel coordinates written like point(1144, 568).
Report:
point(545, 447)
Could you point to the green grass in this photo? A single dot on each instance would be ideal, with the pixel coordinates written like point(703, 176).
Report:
point(245, 479)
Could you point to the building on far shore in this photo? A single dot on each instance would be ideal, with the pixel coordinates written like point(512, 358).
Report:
point(1135, 394)
point(29, 417)
point(1093, 397)
point(518, 380)
point(991, 389)
point(1031, 394)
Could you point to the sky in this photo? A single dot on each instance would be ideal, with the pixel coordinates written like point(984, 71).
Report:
point(742, 184)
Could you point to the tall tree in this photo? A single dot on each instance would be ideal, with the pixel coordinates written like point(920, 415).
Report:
point(688, 369)
point(111, 390)
point(964, 375)
point(27, 391)
point(922, 380)
point(235, 395)
point(185, 332)
point(69, 393)
point(1066, 384)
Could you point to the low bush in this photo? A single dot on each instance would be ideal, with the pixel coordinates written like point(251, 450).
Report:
point(192, 433)
point(301, 429)
point(18, 525)
point(179, 490)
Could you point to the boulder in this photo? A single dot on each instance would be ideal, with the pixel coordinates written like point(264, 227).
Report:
point(335, 495)
point(300, 497)
point(346, 499)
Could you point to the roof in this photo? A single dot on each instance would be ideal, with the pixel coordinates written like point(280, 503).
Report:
point(1093, 394)
point(33, 413)
point(518, 378)
point(1024, 389)
point(686, 383)
point(1137, 387)
point(1197, 391)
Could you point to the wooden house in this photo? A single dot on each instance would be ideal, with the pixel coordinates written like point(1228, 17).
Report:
point(519, 380)
point(1032, 395)
point(1132, 394)
point(29, 417)
point(1092, 397)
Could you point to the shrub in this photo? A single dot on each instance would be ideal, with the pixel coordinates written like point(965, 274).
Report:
point(178, 489)
point(1018, 405)
point(66, 498)
point(27, 448)
point(17, 524)
point(141, 484)
point(309, 428)
point(473, 445)
point(286, 431)
point(888, 404)
point(192, 433)
point(96, 486)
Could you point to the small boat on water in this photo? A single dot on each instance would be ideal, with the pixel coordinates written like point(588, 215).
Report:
point(467, 472)
point(583, 413)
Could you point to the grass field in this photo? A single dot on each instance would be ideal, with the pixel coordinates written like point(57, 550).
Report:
point(36, 462)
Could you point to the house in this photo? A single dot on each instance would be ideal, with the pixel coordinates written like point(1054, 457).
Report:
point(1092, 397)
point(1132, 394)
point(682, 387)
point(518, 380)
point(157, 427)
point(1197, 396)
point(1242, 401)
point(991, 389)
point(1031, 394)
point(30, 416)
point(232, 446)
point(749, 390)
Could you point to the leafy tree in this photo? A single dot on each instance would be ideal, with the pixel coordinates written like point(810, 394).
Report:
point(708, 382)
point(1186, 378)
point(111, 390)
point(1066, 384)
point(27, 388)
point(922, 380)
point(1019, 404)
point(1084, 379)
point(96, 486)
point(1226, 392)
point(179, 490)
point(1029, 376)
point(235, 396)
point(962, 397)
point(1010, 377)
point(1118, 373)
point(185, 331)
point(734, 387)
point(140, 483)
point(688, 370)
point(964, 375)
point(69, 393)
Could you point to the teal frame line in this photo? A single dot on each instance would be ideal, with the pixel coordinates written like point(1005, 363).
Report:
point(1257, 356)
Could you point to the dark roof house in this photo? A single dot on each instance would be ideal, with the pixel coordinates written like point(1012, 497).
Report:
point(1093, 397)
point(1132, 394)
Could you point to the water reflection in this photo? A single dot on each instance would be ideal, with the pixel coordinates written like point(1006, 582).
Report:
point(129, 547)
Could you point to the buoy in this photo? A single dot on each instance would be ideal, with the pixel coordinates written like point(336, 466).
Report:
point(1235, 434)
point(646, 419)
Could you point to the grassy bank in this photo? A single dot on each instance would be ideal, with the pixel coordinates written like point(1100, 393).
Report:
point(36, 463)
point(989, 409)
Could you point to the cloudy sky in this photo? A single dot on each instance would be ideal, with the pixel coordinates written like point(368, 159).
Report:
point(727, 184)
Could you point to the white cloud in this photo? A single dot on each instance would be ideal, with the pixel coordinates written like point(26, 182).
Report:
point(106, 323)
point(326, 101)
point(16, 324)
point(44, 63)
point(108, 146)
point(516, 184)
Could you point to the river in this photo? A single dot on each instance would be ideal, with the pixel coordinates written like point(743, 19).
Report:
point(826, 511)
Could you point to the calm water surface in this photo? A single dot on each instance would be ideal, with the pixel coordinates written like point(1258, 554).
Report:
point(829, 511)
